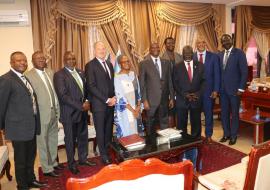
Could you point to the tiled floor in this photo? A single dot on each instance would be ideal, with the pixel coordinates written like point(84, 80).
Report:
point(244, 143)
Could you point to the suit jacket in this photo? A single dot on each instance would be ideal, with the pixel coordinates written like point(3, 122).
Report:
point(211, 72)
point(182, 84)
point(235, 74)
point(70, 96)
point(99, 85)
point(16, 109)
point(177, 56)
point(153, 88)
point(43, 95)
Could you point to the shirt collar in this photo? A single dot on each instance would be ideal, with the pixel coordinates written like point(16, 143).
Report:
point(100, 60)
point(191, 62)
point(17, 73)
point(229, 50)
point(204, 52)
point(153, 58)
point(39, 71)
point(71, 70)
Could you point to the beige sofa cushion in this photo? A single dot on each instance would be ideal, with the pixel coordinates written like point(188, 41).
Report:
point(3, 156)
point(231, 178)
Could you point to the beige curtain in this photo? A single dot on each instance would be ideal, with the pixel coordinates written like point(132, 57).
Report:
point(207, 31)
point(114, 35)
point(184, 13)
point(43, 26)
point(94, 12)
point(188, 37)
point(262, 41)
point(71, 37)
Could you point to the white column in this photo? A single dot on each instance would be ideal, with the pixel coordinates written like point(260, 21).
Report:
point(228, 20)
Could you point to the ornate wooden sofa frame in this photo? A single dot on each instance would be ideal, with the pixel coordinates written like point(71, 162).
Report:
point(131, 170)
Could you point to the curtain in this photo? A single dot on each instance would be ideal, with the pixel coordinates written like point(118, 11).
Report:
point(94, 12)
point(188, 37)
point(262, 41)
point(261, 18)
point(115, 37)
point(60, 25)
point(43, 26)
point(243, 29)
point(70, 37)
point(207, 31)
point(184, 13)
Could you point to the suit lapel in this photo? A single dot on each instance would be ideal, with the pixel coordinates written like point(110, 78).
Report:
point(195, 69)
point(162, 69)
point(15, 77)
point(152, 64)
point(68, 74)
point(183, 65)
point(101, 68)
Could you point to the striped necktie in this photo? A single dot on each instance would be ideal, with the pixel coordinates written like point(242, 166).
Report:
point(31, 91)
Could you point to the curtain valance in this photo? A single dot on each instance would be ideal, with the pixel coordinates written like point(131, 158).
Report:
point(93, 12)
point(261, 18)
point(184, 13)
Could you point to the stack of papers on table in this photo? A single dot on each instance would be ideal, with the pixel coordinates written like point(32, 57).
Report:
point(167, 135)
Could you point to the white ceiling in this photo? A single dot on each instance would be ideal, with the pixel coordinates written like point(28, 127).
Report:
point(231, 3)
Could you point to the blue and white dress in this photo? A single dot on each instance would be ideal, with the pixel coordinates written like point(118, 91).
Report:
point(127, 91)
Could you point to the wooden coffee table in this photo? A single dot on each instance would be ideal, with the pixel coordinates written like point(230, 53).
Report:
point(164, 152)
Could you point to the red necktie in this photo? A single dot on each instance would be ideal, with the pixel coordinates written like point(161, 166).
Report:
point(189, 72)
point(201, 58)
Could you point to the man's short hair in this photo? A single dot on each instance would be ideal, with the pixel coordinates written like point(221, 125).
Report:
point(168, 38)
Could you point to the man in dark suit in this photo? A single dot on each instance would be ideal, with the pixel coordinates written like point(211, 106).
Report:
point(156, 89)
point(212, 83)
point(100, 85)
point(233, 64)
point(70, 88)
point(19, 117)
point(188, 80)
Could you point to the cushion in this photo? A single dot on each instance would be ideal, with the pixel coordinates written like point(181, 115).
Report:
point(3, 156)
point(153, 181)
point(263, 173)
point(231, 178)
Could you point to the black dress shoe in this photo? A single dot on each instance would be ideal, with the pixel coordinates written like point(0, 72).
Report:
point(37, 184)
point(87, 163)
point(106, 161)
point(51, 174)
point(74, 170)
point(232, 140)
point(59, 167)
point(224, 139)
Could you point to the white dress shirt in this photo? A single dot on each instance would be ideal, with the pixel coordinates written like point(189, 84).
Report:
point(159, 64)
point(108, 69)
point(229, 52)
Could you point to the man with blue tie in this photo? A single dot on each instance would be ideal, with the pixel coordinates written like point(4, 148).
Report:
point(233, 64)
point(212, 83)
point(70, 88)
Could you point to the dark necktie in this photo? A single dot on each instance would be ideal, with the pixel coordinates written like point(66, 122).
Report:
point(201, 58)
point(31, 91)
point(226, 59)
point(189, 72)
point(157, 67)
point(104, 65)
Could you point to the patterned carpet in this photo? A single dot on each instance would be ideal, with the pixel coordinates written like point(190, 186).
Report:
point(215, 156)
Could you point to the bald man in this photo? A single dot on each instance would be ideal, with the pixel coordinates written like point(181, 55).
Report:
point(100, 84)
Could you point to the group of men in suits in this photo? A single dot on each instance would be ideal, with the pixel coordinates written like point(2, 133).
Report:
point(31, 104)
